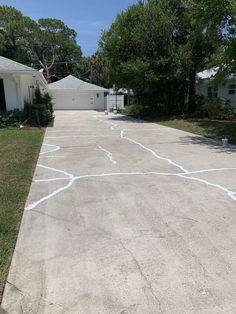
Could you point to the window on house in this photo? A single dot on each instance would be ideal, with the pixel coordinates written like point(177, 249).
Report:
point(97, 95)
point(212, 91)
point(232, 89)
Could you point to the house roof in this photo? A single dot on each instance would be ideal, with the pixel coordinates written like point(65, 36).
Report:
point(8, 65)
point(72, 83)
point(207, 74)
point(211, 73)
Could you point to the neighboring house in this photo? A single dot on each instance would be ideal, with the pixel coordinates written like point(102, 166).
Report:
point(207, 86)
point(71, 93)
point(18, 83)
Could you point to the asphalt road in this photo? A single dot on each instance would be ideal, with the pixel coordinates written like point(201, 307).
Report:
point(126, 217)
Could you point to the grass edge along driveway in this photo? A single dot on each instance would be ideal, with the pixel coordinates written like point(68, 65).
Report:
point(215, 129)
point(19, 150)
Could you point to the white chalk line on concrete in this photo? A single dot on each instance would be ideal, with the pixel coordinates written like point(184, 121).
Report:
point(52, 156)
point(69, 175)
point(230, 193)
point(109, 154)
point(112, 124)
point(209, 170)
point(73, 178)
point(164, 174)
point(80, 136)
point(54, 149)
point(34, 204)
point(152, 152)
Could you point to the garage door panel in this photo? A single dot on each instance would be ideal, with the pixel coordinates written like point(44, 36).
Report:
point(73, 101)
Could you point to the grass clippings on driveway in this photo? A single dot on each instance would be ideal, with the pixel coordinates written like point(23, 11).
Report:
point(19, 149)
point(215, 129)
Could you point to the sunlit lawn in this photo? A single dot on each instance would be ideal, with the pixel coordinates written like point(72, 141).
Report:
point(19, 149)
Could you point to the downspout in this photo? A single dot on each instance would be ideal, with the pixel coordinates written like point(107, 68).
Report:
point(19, 95)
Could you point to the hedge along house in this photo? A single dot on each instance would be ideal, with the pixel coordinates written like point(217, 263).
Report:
point(18, 83)
point(207, 86)
point(71, 93)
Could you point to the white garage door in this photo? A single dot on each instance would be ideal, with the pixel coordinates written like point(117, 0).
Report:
point(73, 101)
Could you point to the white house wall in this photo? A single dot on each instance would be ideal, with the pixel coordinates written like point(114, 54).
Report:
point(10, 89)
point(17, 88)
point(76, 100)
point(223, 90)
point(27, 82)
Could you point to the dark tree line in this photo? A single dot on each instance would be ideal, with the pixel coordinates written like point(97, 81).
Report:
point(157, 47)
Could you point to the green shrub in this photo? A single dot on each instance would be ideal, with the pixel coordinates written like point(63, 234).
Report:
point(37, 114)
point(40, 113)
point(10, 118)
point(214, 108)
point(135, 110)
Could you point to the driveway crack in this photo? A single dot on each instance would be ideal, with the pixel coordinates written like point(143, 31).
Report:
point(145, 278)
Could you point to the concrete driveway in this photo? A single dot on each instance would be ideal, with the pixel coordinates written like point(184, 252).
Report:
point(126, 217)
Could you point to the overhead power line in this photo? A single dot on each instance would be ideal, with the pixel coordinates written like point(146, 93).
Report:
point(61, 62)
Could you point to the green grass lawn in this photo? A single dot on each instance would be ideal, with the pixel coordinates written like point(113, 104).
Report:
point(215, 129)
point(19, 149)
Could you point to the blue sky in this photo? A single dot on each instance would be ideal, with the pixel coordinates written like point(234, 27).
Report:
point(87, 17)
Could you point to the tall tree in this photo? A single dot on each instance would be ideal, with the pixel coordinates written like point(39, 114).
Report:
point(157, 48)
point(50, 42)
point(47, 43)
point(12, 44)
point(99, 69)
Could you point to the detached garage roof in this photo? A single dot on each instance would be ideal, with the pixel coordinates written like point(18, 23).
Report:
point(72, 83)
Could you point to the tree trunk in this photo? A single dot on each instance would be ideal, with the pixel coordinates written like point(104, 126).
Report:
point(47, 75)
point(192, 90)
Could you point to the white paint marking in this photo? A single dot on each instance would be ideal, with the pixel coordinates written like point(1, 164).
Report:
point(112, 125)
point(56, 148)
point(231, 194)
point(109, 154)
point(209, 170)
point(152, 152)
point(52, 156)
point(73, 178)
point(80, 136)
point(50, 180)
point(70, 177)
point(33, 205)
point(57, 170)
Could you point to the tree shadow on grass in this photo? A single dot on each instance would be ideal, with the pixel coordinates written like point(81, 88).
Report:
point(210, 143)
point(214, 131)
point(218, 129)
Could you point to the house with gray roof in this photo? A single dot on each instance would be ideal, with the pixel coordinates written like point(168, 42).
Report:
point(18, 83)
point(71, 93)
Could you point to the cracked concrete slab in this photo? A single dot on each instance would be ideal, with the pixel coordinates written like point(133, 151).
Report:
point(123, 217)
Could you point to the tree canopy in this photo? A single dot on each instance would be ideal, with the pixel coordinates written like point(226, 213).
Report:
point(46, 43)
point(157, 47)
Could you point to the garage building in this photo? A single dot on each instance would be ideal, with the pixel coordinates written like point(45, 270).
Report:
point(71, 93)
